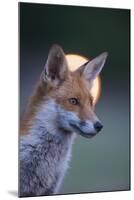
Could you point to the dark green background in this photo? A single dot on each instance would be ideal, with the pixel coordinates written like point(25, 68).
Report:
point(102, 163)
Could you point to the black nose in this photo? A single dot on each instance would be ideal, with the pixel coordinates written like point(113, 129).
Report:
point(98, 126)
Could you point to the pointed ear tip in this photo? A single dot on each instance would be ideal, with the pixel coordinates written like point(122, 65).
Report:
point(56, 47)
point(105, 54)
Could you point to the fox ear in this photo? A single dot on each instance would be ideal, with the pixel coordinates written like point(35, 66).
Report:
point(92, 69)
point(56, 69)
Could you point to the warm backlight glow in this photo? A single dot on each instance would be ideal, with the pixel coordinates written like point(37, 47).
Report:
point(75, 61)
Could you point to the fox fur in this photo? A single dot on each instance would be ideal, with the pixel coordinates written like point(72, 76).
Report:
point(60, 109)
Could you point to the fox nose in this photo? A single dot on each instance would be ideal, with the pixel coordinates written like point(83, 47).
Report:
point(98, 126)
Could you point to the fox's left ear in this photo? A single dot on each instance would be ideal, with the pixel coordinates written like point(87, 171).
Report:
point(56, 69)
point(92, 69)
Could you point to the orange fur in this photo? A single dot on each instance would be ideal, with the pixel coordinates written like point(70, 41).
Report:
point(32, 106)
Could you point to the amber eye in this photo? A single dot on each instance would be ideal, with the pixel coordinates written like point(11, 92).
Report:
point(73, 101)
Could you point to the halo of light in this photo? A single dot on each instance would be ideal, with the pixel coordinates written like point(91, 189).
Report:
point(75, 61)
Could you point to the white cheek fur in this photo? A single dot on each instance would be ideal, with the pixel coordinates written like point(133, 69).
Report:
point(52, 116)
point(57, 117)
point(66, 117)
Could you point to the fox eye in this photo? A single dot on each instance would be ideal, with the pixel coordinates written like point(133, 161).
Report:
point(73, 101)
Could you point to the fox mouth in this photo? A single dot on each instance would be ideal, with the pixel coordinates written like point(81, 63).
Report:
point(78, 130)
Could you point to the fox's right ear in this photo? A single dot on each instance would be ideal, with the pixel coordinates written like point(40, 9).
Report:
point(56, 69)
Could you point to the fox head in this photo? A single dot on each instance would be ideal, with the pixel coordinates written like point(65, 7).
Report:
point(70, 92)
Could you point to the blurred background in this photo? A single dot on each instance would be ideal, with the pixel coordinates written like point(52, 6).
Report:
point(101, 163)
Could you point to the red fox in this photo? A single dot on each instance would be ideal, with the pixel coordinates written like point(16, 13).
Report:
point(60, 109)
